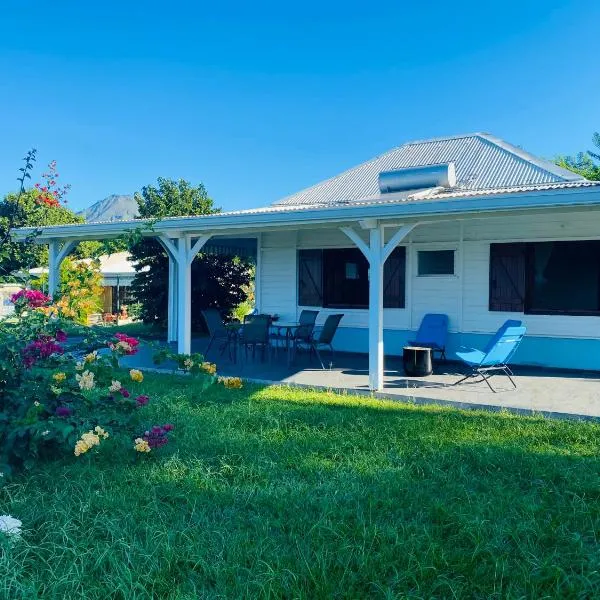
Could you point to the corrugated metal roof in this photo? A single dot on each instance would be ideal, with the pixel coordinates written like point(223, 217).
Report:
point(483, 162)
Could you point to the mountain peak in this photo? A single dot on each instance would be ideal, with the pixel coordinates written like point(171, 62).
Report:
point(115, 207)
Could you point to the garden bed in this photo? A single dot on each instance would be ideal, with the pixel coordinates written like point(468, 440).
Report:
point(273, 492)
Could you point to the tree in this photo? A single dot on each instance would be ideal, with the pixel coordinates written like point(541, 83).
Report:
point(586, 164)
point(25, 210)
point(217, 281)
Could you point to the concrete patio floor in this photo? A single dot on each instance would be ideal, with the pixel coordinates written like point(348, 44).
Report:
point(556, 393)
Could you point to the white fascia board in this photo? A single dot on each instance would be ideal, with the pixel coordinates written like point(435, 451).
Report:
point(291, 218)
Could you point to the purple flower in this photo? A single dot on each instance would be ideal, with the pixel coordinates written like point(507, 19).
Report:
point(60, 336)
point(124, 393)
point(63, 411)
point(142, 400)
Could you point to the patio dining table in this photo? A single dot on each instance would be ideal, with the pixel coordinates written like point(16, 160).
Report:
point(288, 330)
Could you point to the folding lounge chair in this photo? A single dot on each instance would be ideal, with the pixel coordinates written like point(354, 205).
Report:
point(496, 359)
point(432, 333)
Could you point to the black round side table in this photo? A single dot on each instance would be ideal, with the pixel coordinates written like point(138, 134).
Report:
point(417, 361)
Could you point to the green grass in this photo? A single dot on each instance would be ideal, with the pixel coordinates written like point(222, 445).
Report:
point(279, 493)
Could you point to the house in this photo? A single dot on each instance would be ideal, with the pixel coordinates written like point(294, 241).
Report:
point(117, 272)
point(469, 225)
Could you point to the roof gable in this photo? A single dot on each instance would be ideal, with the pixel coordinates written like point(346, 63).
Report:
point(483, 162)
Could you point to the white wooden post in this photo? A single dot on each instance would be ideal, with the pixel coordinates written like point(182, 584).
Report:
point(376, 252)
point(376, 308)
point(181, 253)
point(184, 297)
point(53, 268)
point(172, 299)
point(56, 254)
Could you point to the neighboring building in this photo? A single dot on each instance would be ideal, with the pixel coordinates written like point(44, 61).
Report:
point(117, 276)
point(469, 226)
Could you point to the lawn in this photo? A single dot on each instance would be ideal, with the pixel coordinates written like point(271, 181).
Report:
point(279, 493)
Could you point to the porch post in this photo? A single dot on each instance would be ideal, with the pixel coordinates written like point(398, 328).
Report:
point(56, 254)
point(53, 268)
point(376, 263)
point(376, 252)
point(184, 297)
point(181, 253)
point(172, 295)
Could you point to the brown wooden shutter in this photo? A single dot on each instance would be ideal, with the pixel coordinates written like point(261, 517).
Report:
point(310, 277)
point(394, 279)
point(507, 277)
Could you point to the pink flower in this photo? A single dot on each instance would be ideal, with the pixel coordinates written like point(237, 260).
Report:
point(168, 427)
point(142, 400)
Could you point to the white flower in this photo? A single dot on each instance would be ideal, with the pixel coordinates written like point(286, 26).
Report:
point(79, 366)
point(115, 386)
point(46, 432)
point(10, 526)
point(86, 380)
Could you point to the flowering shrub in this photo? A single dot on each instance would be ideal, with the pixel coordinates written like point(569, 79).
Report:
point(57, 398)
point(50, 193)
point(232, 383)
point(80, 291)
point(154, 438)
point(28, 299)
point(194, 364)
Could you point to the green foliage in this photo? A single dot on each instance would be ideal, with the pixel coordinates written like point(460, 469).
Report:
point(173, 199)
point(26, 211)
point(282, 493)
point(585, 163)
point(216, 280)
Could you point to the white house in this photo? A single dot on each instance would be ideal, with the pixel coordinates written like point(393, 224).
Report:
point(470, 226)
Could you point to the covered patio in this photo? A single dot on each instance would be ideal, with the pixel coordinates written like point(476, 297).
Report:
point(557, 393)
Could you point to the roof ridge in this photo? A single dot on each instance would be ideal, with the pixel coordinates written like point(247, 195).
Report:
point(524, 155)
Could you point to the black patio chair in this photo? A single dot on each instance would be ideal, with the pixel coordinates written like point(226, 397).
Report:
point(306, 325)
point(255, 334)
point(216, 329)
point(323, 338)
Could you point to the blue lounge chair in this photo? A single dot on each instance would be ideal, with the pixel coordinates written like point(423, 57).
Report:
point(432, 333)
point(484, 363)
point(500, 333)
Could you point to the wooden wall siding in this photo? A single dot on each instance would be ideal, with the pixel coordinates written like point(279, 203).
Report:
point(465, 298)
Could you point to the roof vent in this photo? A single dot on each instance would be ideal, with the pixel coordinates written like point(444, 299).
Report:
point(416, 178)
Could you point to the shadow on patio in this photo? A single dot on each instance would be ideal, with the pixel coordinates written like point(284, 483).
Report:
point(539, 390)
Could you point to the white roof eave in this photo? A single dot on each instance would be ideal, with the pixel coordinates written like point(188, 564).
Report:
point(301, 216)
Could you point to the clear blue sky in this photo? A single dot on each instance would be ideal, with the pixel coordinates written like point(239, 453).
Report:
point(258, 100)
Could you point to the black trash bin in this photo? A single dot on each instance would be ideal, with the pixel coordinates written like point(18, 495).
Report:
point(417, 361)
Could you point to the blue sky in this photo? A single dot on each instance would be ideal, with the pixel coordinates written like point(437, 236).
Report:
point(258, 100)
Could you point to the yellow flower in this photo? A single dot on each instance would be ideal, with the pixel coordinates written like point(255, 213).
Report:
point(91, 439)
point(100, 432)
point(231, 382)
point(188, 363)
point(91, 357)
point(115, 386)
point(136, 375)
point(86, 380)
point(209, 368)
point(81, 447)
point(141, 445)
point(58, 377)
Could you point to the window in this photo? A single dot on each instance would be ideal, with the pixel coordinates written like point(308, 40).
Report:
point(436, 262)
point(339, 278)
point(546, 277)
